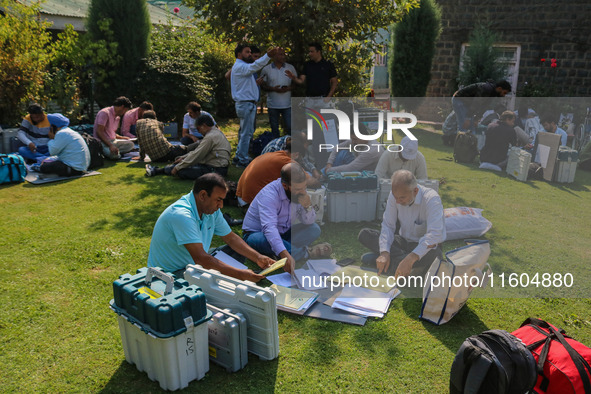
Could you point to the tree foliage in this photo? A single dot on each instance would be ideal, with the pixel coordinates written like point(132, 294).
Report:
point(178, 71)
point(482, 60)
point(24, 57)
point(347, 29)
point(412, 47)
point(129, 27)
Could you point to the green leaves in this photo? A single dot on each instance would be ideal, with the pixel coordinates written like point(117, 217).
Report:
point(24, 57)
point(337, 24)
point(481, 60)
point(412, 49)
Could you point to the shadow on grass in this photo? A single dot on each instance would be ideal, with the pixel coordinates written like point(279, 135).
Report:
point(140, 219)
point(258, 375)
point(453, 333)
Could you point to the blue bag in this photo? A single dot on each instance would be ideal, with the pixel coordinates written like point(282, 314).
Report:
point(12, 168)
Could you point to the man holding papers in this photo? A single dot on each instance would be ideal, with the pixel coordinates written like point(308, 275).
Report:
point(267, 225)
point(183, 233)
point(422, 229)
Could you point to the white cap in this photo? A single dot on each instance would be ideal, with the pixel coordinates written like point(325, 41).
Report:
point(409, 148)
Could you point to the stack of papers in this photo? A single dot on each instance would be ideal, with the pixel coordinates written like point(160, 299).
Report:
point(231, 261)
point(293, 300)
point(380, 282)
point(315, 274)
point(278, 264)
point(364, 302)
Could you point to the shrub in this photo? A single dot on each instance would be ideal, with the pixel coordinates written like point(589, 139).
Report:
point(412, 47)
point(130, 29)
point(482, 61)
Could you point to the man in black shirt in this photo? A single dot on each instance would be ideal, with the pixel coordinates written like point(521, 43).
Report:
point(319, 74)
point(499, 135)
point(466, 105)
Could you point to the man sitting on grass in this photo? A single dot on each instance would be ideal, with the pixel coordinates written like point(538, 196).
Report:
point(347, 157)
point(420, 214)
point(266, 168)
point(153, 143)
point(72, 156)
point(267, 226)
point(183, 233)
point(500, 135)
point(211, 155)
point(409, 158)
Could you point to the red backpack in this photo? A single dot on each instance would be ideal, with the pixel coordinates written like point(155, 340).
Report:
point(562, 363)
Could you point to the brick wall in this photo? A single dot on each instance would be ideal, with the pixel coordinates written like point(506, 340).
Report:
point(544, 29)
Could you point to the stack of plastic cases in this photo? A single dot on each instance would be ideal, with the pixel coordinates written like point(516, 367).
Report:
point(163, 326)
point(518, 163)
point(227, 339)
point(356, 206)
point(352, 181)
point(566, 165)
point(256, 303)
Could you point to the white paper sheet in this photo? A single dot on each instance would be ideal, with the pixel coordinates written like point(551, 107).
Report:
point(225, 258)
point(283, 279)
point(331, 135)
point(308, 279)
point(324, 266)
point(365, 302)
point(542, 155)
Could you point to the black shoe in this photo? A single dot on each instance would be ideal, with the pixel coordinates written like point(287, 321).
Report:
point(231, 221)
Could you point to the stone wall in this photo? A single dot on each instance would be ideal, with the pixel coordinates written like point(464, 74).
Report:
point(544, 29)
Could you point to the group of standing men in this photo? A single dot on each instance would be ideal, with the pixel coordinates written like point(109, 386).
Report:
point(276, 78)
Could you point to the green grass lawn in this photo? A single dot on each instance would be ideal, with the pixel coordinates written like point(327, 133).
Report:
point(65, 243)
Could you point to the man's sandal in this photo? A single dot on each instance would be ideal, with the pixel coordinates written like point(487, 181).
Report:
point(319, 251)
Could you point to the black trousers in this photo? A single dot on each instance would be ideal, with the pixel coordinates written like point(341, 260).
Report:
point(196, 171)
point(60, 168)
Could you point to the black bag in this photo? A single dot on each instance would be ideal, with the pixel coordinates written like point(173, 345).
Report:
point(258, 144)
point(96, 151)
point(493, 362)
point(535, 171)
point(231, 200)
point(465, 147)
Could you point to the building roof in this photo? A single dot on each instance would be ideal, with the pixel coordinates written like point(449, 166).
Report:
point(78, 9)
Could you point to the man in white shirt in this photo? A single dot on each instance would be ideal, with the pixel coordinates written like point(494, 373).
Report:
point(190, 133)
point(422, 229)
point(354, 155)
point(245, 93)
point(409, 158)
point(279, 87)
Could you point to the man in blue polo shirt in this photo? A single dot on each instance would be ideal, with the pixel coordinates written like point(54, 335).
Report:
point(183, 233)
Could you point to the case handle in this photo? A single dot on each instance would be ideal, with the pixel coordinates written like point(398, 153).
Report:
point(166, 278)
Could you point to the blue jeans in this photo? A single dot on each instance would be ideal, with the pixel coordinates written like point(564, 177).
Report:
point(274, 120)
point(461, 113)
point(42, 151)
point(246, 111)
point(295, 240)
